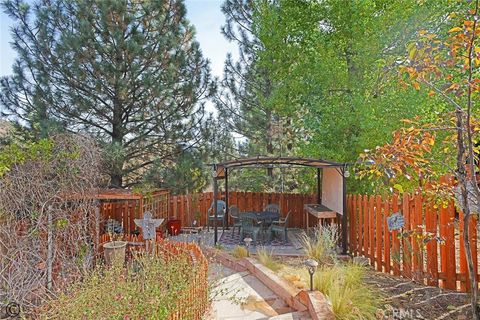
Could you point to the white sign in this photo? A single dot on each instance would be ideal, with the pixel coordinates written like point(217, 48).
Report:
point(395, 222)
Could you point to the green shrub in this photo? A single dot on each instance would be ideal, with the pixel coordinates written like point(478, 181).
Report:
point(150, 289)
point(266, 258)
point(343, 286)
point(239, 252)
point(321, 246)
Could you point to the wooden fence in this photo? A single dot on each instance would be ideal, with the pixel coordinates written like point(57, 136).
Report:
point(192, 302)
point(194, 207)
point(125, 208)
point(438, 262)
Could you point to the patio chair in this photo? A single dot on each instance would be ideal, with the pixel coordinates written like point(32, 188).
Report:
point(221, 208)
point(249, 227)
point(234, 214)
point(280, 226)
point(272, 207)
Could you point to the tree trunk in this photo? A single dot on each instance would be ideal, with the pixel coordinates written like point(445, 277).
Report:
point(462, 182)
point(471, 268)
point(269, 139)
point(49, 249)
point(116, 175)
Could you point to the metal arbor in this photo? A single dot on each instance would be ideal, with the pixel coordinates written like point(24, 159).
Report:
point(221, 171)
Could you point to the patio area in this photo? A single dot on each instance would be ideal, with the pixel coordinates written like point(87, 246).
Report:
point(273, 217)
point(228, 241)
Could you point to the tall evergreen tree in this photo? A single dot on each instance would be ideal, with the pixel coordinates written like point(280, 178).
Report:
point(246, 87)
point(127, 72)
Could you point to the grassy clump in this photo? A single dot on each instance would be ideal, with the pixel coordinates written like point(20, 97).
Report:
point(343, 286)
point(266, 258)
point(239, 252)
point(150, 289)
point(321, 247)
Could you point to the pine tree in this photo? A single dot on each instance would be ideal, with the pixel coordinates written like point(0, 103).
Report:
point(127, 72)
point(246, 87)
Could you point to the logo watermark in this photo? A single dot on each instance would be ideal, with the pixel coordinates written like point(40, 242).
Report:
point(10, 310)
point(400, 314)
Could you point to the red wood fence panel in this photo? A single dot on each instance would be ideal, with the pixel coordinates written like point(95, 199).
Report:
point(378, 232)
point(429, 247)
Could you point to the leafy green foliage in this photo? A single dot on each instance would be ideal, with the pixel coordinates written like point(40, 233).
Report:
point(333, 70)
point(185, 176)
point(16, 154)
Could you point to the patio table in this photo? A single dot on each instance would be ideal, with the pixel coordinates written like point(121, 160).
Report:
point(260, 216)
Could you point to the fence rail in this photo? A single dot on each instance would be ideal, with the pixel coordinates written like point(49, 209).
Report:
point(440, 261)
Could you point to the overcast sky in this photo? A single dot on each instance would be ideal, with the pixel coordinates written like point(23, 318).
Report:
point(205, 15)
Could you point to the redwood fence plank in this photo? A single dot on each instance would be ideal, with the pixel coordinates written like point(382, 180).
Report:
point(370, 225)
point(406, 242)
point(386, 239)
point(378, 232)
point(450, 282)
point(416, 239)
point(431, 216)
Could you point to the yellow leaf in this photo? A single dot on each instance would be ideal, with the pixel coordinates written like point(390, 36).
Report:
point(416, 85)
point(455, 29)
point(399, 188)
point(431, 93)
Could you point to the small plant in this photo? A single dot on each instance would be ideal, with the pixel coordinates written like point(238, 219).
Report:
point(322, 246)
point(343, 286)
point(266, 258)
point(240, 252)
point(150, 289)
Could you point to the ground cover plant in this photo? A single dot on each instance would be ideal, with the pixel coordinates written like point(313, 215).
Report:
point(240, 252)
point(268, 260)
point(150, 288)
point(321, 245)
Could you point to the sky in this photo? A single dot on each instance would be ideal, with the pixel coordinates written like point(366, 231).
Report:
point(205, 15)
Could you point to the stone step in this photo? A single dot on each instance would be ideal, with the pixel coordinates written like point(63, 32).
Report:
point(292, 316)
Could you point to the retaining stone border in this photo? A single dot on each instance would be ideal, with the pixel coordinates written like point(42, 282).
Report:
point(301, 300)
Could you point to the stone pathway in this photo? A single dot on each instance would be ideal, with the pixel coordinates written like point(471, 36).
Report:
point(240, 295)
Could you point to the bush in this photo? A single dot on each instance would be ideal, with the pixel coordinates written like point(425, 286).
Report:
point(322, 246)
point(239, 252)
point(343, 286)
point(150, 289)
point(265, 257)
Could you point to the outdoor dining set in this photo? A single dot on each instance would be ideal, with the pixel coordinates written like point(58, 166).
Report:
point(267, 223)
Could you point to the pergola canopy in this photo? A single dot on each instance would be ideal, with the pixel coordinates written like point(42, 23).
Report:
point(267, 161)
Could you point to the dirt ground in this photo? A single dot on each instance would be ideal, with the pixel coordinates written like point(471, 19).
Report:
point(405, 299)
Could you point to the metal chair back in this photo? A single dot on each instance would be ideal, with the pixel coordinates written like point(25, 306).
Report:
point(234, 212)
point(221, 207)
point(272, 207)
